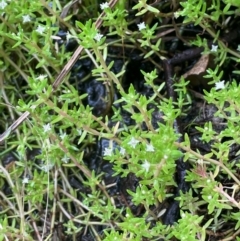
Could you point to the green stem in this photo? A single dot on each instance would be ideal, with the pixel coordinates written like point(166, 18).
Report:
point(217, 163)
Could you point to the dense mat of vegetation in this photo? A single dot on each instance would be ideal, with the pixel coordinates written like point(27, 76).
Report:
point(119, 120)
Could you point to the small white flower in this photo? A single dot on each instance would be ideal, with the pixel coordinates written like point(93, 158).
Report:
point(98, 37)
point(219, 85)
point(65, 159)
point(141, 26)
point(47, 168)
point(209, 197)
point(165, 157)
point(214, 48)
point(46, 128)
point(104, 5)
point(25, 180)
point(150, 148)
point(3, 4)
point(122, 151)
point(41, 77)
point(108, 151)
point(176, 14)
point(238, 48)
point(40, 29)
point(146, 165)
point(62, 136)
point(26, 18)
point(133, 142)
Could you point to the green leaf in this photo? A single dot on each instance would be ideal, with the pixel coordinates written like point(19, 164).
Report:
point(152, 9)
point(57, 119)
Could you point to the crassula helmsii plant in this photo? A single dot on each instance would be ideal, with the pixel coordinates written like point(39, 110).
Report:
point(62, 127)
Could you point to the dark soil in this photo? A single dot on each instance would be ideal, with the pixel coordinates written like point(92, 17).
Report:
point(180, 58)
